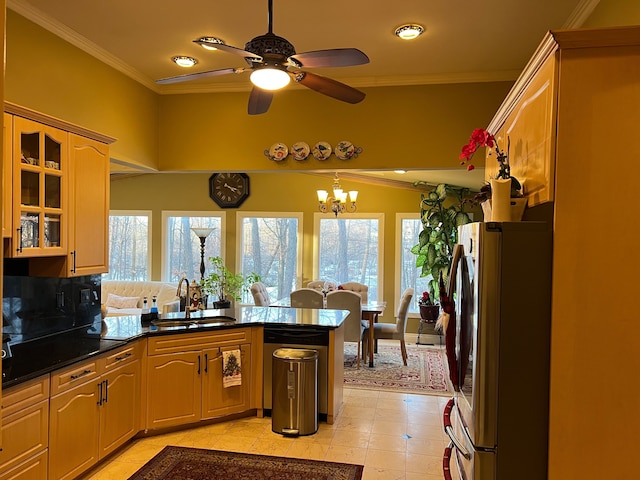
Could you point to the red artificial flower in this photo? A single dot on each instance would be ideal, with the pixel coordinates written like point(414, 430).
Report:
point(470, 167)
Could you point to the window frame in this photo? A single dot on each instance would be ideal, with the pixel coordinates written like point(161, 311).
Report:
point(137, 213)
point(318, 216)
point(188, 213)
point(241, 215)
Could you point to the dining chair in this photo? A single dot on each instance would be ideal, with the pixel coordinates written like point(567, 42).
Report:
point(359, 288)
point(353, 325)
point(307, 298)
point(260, 294)
point(392, 331)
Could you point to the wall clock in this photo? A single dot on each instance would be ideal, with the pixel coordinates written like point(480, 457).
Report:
point(229, 190)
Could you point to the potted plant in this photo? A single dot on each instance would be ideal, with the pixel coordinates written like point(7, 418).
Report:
point(509, 185)
point(428, 311)
point(224, 285)
point(440, 221)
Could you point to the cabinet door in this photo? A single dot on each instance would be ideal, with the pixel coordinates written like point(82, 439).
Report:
point(34, 468)
point(73, 436)
point(7, 159)
point(217, 399)
point(120, 406)
point(24, 434)
point(173, 389)
point(40, 163)
point(89, 206)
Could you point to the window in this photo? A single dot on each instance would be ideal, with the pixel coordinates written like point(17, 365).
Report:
point(181, 250)
point(270, 244)
point(129, 245)
point(349, 249)
point(408, 226)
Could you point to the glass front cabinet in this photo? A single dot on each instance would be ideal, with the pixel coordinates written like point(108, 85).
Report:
point(40, 163)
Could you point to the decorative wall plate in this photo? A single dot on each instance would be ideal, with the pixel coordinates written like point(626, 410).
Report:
point(345, 150)
point(321, 151)
point(277, 152)
point(300, 151)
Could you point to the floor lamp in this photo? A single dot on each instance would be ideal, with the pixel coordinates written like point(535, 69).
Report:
point(202, 234)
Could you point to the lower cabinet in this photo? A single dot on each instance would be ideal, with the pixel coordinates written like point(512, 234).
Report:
point(185, 379)
point(25, 431)
point(93, 410)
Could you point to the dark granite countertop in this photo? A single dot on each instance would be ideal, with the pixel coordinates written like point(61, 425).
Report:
point(38, 357)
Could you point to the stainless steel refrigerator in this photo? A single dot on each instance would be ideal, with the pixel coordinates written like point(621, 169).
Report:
point(498, 343)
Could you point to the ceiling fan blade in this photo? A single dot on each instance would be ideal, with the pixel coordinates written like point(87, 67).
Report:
point(337, 57)
point(194, 76)
point(330, 87)
point(259, 101)
point(250, 57)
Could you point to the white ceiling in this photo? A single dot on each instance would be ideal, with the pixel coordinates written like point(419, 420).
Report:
point(465, 40)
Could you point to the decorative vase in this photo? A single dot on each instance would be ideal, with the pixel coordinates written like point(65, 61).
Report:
point(517, 207)
point(429, 313)
point(500, 200)
point(222, 304)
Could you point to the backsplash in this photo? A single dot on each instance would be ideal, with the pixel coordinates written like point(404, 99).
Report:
point(35, 307)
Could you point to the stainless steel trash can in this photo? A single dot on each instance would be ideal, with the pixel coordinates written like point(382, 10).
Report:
point(294, 391)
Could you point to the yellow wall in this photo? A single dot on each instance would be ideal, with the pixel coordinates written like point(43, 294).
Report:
point(409, 127)
point(614, 12)
point(48, 75)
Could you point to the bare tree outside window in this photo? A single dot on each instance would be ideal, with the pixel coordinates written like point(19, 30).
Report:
point(409, 273)
point(129, 241)
point(269, 246)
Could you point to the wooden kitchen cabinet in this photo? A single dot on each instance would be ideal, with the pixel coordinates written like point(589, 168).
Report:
point(184, 376)
point(88, 207)
point(105, 394)
point(526, 129)
point(25, 431)
point(40, 163)
point(7, 176)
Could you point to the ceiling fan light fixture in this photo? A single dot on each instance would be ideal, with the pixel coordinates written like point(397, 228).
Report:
point(209, 41)
point(184, 61)
point(270, 78)
point(409, 31)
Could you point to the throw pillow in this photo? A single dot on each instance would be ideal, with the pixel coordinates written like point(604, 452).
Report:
point(116, 301)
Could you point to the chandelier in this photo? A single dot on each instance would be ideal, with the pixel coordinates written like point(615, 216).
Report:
point(338, 202)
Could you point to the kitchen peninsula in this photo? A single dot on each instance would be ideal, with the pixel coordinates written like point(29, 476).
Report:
point(141, 380)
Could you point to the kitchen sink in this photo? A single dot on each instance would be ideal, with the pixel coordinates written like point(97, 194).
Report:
point(193, 322)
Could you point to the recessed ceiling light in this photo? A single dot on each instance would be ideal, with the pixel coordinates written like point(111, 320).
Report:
point(184, 61)
point(209, 41)
point(409, 31)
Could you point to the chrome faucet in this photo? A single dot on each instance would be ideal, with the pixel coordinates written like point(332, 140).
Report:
point(187, 303)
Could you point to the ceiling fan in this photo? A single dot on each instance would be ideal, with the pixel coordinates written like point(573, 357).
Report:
point(273, 61)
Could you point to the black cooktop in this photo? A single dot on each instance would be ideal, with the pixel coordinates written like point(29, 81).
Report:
point(36, 357)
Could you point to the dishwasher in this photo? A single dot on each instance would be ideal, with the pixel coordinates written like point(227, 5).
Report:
point(313, 338)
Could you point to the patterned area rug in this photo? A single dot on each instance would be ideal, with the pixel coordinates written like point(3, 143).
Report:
point(182, 463)
point(425, 373)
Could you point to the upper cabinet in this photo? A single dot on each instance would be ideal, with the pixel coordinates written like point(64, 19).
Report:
point(40, 163)
point(56, 184)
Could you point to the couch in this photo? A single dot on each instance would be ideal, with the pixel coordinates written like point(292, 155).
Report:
point(120, 297)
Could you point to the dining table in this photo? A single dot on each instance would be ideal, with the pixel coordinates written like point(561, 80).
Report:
point(370, 313)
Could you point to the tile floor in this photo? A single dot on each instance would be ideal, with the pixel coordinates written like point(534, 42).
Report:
point(394, 435)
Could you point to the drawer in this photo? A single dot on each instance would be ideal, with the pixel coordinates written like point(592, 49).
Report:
point(24, 395)
point(198, 341)
point(24, 434)
point(35, 468)
point(121, 356)
point(77, 374)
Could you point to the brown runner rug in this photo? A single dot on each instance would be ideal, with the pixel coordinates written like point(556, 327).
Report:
point(426, 371)
point(182, 463)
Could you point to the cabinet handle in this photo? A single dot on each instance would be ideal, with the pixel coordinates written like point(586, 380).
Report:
point(99, 402)
point(81, 374)
point(106, 391)
point(206, 363)
point(73, 254)
point(126, 355)
point(19, 249)
point(198, 364)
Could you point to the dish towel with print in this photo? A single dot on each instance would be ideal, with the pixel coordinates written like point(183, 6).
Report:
point(231, 368)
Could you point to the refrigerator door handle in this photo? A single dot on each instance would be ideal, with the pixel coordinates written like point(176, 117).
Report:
point(446, 462)
point(448, 428)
